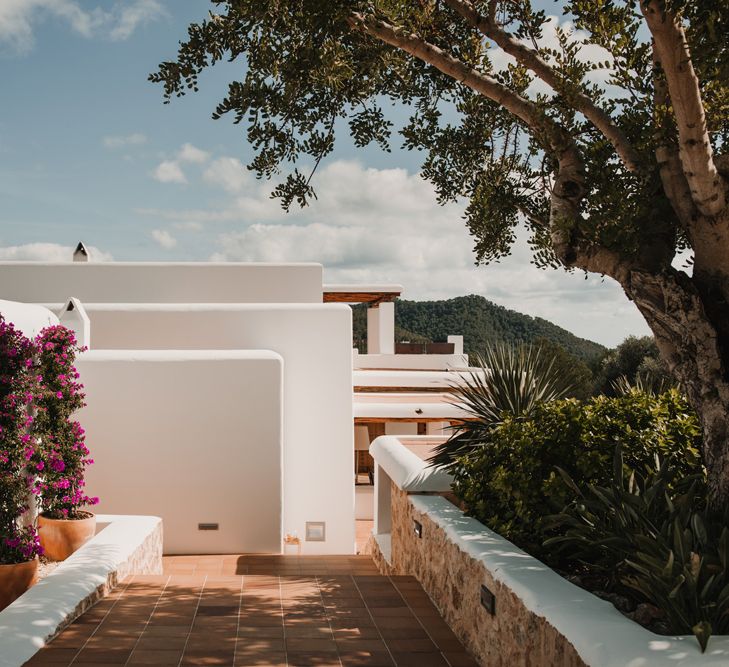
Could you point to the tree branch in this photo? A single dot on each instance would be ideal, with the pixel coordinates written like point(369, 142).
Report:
point(552, 135)
point(669, 43)
point(673, 179)
point(530, 58)
point(569, 185)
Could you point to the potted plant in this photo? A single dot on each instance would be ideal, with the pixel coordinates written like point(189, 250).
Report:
point(19, 546)
point(63, 456)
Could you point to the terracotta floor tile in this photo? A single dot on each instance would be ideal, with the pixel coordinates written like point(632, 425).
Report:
point(160, 630)
point(312, 659)
point(389, 633)
point(307, 644)
point(208, 657)
point(351, 645)
point(366, 659)
point(150, 643)
point(267, 632)
point(310, 632)
point(260, 645)
point(419, 660)
point(266, 659)
point(55, 656)
point(412, 646)
point(103, 655)
point(356, 632)
point(160, 657)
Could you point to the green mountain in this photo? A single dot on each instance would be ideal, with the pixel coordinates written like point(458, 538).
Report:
point(478, 320)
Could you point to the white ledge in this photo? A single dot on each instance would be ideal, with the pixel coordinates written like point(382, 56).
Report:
point(601, 635)
point(407, 470)
point(35, 617)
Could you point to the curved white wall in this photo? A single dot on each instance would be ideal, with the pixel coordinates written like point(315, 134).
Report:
point(161, 282)
point(28, 318)
point(190, 436)
point(315, 343)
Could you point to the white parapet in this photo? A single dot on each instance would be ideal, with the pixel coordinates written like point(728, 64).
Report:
point(159, 282)
point(123, 545)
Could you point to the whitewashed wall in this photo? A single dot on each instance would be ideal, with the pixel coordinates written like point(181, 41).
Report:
point(163, 282)
point(315, 343)
point(193, 437)
point(27, 318)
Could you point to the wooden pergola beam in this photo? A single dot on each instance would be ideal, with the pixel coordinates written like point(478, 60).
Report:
point(372, 298)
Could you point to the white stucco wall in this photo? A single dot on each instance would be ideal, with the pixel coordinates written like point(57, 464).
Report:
point(28, 318)
point(159, 282)
point(191, 436)
point(315, 343)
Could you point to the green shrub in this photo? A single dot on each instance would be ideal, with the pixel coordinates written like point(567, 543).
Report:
point(654, 533)
point(511, 483)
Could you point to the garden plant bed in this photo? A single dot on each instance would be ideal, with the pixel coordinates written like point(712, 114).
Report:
point(538, 616)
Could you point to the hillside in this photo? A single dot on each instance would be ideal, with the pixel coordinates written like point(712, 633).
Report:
point(479, 321)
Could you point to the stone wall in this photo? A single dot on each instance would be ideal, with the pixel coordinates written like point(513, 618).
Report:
point(512, 637)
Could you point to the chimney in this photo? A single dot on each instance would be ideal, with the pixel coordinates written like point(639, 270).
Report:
point(80, 254)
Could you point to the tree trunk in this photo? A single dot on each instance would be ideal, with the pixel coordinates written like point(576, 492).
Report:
point(690, 335)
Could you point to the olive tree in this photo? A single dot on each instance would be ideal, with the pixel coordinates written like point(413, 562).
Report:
point(613, 178)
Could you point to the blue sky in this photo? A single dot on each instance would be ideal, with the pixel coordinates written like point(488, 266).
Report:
point(89, 152)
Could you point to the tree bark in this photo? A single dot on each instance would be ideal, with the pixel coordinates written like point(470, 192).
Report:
point(694, 348)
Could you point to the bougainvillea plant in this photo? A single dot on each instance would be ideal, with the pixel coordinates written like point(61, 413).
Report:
point(63, 456)
point(18, 543)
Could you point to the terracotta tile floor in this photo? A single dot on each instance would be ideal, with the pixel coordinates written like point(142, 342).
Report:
point(261, 610)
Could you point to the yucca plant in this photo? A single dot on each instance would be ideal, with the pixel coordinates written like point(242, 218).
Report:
point(656, 534)
point(509, 381)
point(644, 384)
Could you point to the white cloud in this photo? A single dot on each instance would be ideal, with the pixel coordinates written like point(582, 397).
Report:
point(135, 139)
point(49, 252)
point(130, 17)
point(227, 173)
point(164, 238)
point(384, 226)
point(18, 17)
point(190, 153)
point(188, 226)
point(169, 171)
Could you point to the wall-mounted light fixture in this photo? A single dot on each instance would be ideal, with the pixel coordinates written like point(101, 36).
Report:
point(488, 600)
point(208, 526)
point(418, 528)
point(316, 531)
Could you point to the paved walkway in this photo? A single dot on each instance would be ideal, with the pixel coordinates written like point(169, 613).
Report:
point(283, 611)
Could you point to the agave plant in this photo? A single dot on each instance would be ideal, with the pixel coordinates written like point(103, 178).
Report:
point(508, 380)
point(656, 533)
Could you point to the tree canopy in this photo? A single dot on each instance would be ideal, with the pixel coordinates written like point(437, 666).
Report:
point(612, 175)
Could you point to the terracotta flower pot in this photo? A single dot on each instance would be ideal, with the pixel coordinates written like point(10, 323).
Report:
point(15, 579)
point(61, 537)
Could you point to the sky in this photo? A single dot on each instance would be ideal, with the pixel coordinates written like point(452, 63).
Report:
point(89, 152)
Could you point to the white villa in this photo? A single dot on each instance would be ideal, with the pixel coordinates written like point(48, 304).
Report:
point(227, 399)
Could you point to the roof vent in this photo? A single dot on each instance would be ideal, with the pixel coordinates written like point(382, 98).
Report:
point(81, 254)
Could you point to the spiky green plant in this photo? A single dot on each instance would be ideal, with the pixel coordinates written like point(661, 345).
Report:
point(643, 383)
point(508, 381)
point(655, 533)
